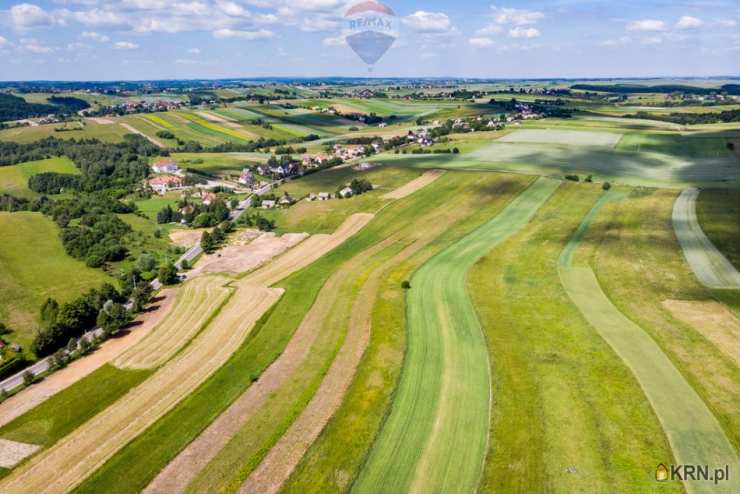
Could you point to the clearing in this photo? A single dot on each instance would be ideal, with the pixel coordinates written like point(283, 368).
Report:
point(711, 268)
point(442, 401)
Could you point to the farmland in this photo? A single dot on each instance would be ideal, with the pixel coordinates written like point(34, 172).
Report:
point(524, 291)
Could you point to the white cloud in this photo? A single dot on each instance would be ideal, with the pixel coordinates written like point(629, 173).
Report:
point(490, 29)
point(652, 40)
point(33, 46)
point(688, 22)
point(646, 25)
point(27, 15)
point(4, 42)
point(524, 32)
point(516, 17)
point(194, 51)
point(617, 42)
point(727, 23)
point(318, 24)
point(96, 17)
point(337, 41)
point(186, 61)
point(101, 38)
point(246, 35)
point(481, 42)
point(428, 22)
point(125, 45)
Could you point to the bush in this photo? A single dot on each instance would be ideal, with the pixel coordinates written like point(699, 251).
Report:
point(589, 179)
point(606, 186)
point(28, 378)
point(455, 150)
point(405, 284)
point(573, 178)
point(731, 146)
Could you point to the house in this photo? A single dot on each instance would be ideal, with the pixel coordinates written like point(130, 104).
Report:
point(286, 201)
point(324, 196)
point(163, 183)
point(312, 196)
point(268, 204)
point(247, 177)
point(382, 125)
point(346, 192)
point(208, 198)
point(165, 166)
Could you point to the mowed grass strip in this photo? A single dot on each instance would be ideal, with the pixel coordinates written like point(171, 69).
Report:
point(33, 267)
point(442, 402)
point(711, 268)
point(639, 264)
point(200, 296)
point(553, 427)
point(695, 435)
point(67, 463)
point(334, 460)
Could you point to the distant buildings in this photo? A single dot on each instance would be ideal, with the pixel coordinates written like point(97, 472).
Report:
point(246, 178)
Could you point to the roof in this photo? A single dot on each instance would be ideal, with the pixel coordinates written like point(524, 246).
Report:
point(165, 180)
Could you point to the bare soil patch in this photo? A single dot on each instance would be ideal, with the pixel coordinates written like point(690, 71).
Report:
point(101, 120)
point(40, 392)
point(13, 452)
point(212, 117)
point(187, 238)
point(712, 319)
point(238, 259)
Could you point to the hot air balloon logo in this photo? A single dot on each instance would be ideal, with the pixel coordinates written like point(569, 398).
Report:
point(370, 30)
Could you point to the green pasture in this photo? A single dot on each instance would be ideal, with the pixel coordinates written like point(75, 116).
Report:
point(14, 178)
point(718, 212)
point(33, 267)
point(91, 130)
point(694, 433)
point(442, 403)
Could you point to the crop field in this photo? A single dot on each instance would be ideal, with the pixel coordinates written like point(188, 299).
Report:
point(626, 167)
point(200, 296)
point(566, 137)
point(711, 268)
point(80, 453)
point(225, 165)
point(91, 130)
point(693, 432)
point(33, 267)
point(187, 130)
point(445, 384)
point(14, 178)
point(692, 146)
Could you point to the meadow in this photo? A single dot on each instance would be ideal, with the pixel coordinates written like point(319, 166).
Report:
point(33, 267)
point(14, 178)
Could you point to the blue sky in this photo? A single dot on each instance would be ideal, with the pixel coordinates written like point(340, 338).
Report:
point(159, 39)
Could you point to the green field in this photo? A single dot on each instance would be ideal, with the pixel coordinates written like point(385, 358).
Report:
point(443, 399)
point(694, 433)
point(718, 211)
point(92, 130)
point(696, 163)
point(34, 266)
point(14, 178)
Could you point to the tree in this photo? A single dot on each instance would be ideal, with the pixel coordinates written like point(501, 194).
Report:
point(4, 329)
point(141, 296)
point(49, 312)
point(405, 284)
point(731, 146)
point(113, 318)
point(206, 242)
point(147, 262)
point(606, 186)
point(28, 378)
point(168, 274)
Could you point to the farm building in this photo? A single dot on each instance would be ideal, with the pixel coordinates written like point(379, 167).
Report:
point(346, 192)
point(165, 166)
point(268, 204)
point(163, 183)
point(247, 177)
point(324, 196)
point(208, 198)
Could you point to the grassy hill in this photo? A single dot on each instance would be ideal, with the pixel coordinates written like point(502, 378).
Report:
point(14, 179)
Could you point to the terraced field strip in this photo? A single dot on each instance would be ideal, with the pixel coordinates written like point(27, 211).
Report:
point(71, 460)
point(711, 268)
point(693, 432)
point(199, 298)
point(228, 133)
point(133, 130)
point(406, 190)
point(442, 402)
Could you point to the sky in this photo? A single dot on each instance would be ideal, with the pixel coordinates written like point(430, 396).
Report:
point(176, 39)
